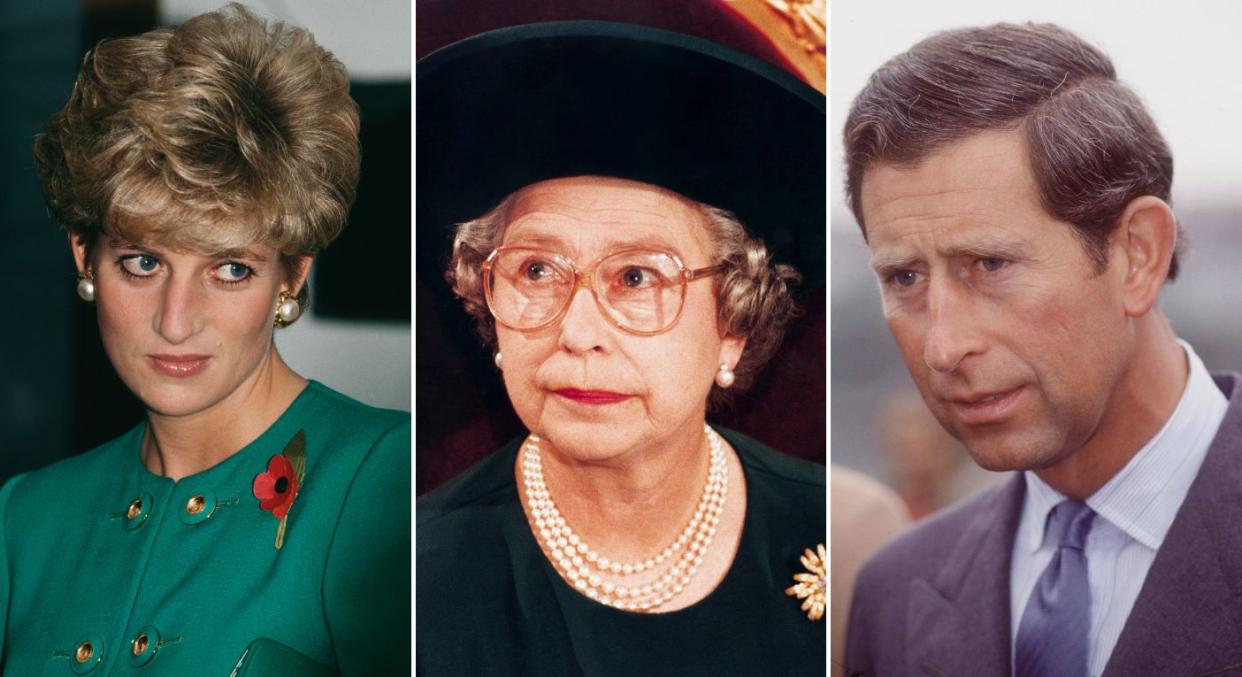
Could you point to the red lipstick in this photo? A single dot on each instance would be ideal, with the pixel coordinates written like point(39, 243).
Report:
point(592, 396)
point(178, 366)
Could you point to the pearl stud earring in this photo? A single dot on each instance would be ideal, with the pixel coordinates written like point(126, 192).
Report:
point(86, 285)
point(288, 310)
point(724, 377)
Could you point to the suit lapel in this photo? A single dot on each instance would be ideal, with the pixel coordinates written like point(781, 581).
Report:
point(959, 621)
point(1187, 619)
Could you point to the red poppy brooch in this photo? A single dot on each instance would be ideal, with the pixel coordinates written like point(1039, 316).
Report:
point(278, 487)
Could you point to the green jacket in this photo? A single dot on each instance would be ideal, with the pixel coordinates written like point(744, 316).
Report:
point(108, 569)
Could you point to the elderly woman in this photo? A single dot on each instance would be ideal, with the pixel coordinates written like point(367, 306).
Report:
point(623, 534)
point(254, 522)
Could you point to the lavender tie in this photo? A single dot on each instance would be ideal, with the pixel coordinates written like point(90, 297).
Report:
point(1052, 637)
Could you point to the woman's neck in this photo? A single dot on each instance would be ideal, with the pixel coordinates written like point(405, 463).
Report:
point(179, 446)
point(630, 509)
point(636, 503)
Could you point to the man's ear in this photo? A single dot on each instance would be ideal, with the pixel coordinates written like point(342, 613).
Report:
point(1143, 243)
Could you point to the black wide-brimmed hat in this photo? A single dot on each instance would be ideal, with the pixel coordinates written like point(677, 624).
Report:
point(518, 105)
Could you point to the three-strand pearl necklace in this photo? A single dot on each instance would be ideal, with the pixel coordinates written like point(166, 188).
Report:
point(633, 586)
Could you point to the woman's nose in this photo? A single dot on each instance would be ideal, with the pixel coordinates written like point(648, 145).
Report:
point(178, 316)
point(583, 328)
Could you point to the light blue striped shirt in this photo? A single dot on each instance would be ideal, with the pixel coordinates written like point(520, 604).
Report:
point(1134, 510)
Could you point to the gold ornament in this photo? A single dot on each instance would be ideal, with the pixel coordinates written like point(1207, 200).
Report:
point(812, 587)
point(86, 285)
point(288, 309)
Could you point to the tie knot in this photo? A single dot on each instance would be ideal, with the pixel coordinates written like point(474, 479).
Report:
point(1068, 524)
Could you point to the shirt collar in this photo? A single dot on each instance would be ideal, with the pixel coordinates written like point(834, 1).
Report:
point(1039, 501)
point(1144, 496)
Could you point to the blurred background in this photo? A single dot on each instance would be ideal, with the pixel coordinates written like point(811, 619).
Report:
point(1182, 61)
point(58, 394)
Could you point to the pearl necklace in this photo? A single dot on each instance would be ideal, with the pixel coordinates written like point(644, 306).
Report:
point(633, 586)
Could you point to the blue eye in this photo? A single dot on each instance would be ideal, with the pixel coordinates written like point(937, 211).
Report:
point(140, 265)
point(992, 265)
point(905, 278)
point(233, 272)
point(637, 277)
point(538, 271)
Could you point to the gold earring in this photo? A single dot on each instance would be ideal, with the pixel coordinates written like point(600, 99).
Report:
point(86, 285)
point(724, 377)
point(288, 310)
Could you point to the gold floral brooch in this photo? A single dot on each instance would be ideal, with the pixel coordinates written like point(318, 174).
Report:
point(812, 585)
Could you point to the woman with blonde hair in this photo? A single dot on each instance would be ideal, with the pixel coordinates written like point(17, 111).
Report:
point(254, 521)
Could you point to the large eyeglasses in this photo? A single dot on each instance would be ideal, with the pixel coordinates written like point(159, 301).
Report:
point(641, 291)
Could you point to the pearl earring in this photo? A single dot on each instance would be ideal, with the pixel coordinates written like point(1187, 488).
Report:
point(724, 377)
point(288, 310)
point(499, 362)
point(86, 285)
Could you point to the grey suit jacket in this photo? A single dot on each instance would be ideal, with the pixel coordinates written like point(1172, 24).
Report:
point(936, 600)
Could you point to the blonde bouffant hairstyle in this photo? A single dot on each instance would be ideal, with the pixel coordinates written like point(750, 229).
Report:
point(753, 293)
point(223, 132)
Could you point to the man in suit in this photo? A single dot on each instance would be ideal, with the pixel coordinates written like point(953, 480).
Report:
point(1014, 196)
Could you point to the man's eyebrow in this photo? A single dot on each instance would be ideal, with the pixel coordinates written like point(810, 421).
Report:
point(887, 264)
point(987, 249)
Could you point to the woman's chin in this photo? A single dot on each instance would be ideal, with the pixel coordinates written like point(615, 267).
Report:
point(588, 442)
point(174, 399)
